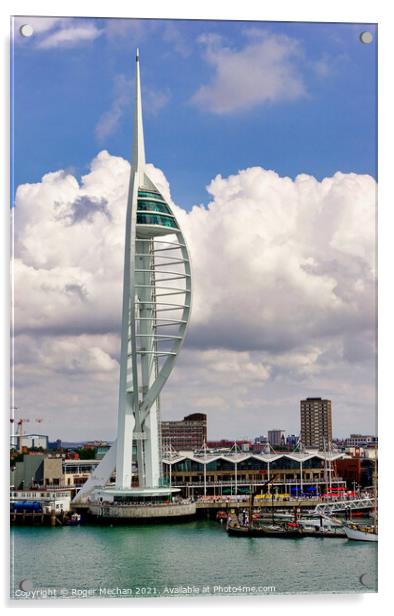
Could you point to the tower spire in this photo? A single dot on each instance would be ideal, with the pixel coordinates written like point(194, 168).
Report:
point(138, 160)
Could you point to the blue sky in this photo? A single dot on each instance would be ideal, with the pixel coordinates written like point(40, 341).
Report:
point(63, 88)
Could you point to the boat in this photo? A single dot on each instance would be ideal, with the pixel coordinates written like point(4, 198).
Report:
point(73, 520)
point(360, 532)
point(330, 533)
point(285, 531)
point(221, 516)
point(250, 524)
point(322, 527)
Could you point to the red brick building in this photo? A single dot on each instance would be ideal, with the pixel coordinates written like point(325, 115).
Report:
point(187, 434)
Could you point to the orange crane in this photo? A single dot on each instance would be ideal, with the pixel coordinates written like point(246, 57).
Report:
point(20, 430)
point(20, 426)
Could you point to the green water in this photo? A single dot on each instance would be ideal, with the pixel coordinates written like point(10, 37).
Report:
point(193, 558)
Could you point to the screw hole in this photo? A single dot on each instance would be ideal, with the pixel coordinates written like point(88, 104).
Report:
point(366, 38)
point(26, 30)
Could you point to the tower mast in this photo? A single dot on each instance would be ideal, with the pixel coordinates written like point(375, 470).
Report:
point(155, 312)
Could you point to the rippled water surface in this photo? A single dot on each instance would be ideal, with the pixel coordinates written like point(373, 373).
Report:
point(191, 558)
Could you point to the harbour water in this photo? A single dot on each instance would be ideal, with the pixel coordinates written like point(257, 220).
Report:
point(194, 558)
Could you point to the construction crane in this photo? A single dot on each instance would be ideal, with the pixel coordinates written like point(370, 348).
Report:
point(20, 431)
point(12, 421)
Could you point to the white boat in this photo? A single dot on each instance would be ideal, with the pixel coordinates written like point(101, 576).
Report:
point(361, 533)
point(321, 527)
point(319, 522)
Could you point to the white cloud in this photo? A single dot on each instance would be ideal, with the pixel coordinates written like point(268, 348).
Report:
point(266, 70)
point(71, 35)
point(283, 306)
point(39, 24)
point(300, 253)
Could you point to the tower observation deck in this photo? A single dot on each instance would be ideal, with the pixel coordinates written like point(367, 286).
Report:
point(155, 314)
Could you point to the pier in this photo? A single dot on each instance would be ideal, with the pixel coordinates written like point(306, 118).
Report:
point(348, 505)
point(39, 518)
point(208, 508)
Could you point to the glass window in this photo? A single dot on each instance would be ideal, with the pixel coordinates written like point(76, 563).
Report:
point(152, 206)
point(284, 463)
point(252, 464)
point(156, 219)
point(150, 193)
point(187, 465)
point(220, 465)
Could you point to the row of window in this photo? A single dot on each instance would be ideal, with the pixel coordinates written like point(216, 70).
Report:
point(153, 206)
point(280, 477)
point(84, 468)
point(149, 193)
point(156, 219)
point(39, 494)
point(250, 464)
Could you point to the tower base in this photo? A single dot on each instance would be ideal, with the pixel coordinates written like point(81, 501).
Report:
point(132, 505)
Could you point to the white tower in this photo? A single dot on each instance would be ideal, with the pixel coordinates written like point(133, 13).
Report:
point(155, 313)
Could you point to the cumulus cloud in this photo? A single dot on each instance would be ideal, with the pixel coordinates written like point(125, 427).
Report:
point(300, 253)
point(283, 305)
point(85, 208)
point(266, 70)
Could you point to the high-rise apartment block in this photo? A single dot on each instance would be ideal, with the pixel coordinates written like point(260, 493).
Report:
point(316, 423)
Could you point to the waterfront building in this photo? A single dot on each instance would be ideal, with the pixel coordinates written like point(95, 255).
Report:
point(76, 472)
point(37, 470)
point(316, 423)
point(188, 433)
point(292, 473)
point(277, 438)
point(50, 500)
point(46, 471)
point(357, 471)
point(155, 313)
point(221, 472)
